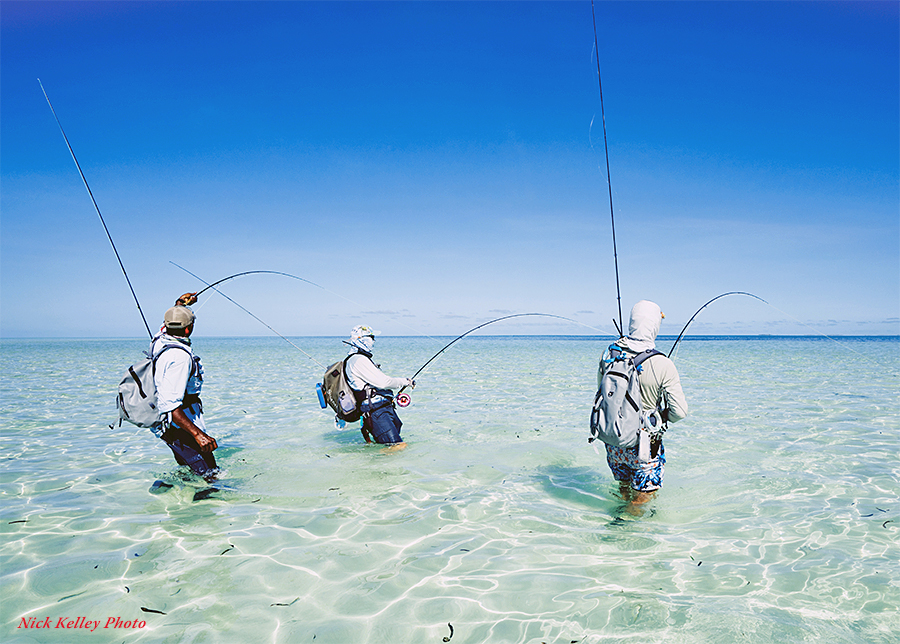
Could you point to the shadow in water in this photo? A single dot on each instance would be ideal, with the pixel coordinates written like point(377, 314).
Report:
point(587, 489)
point(350, 435)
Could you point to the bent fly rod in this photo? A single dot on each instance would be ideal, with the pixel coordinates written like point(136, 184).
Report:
point(231, 277)
point(612, 216)
point(97, 208)
point(213, 287)
point(672, 350)
point(472, 330)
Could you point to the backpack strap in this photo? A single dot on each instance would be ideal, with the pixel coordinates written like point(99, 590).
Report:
point(638, 359)
point(137, 381)
point(615, 352)
point(359, 394)
point(618, 353)
point(188, 399)
point(644, 355)
point(172, 345)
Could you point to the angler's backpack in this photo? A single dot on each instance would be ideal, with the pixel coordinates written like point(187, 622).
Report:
point(338, 393)
point(136, 399)
point(617, 417)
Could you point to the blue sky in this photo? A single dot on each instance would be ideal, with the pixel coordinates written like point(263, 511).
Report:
point(435, 165)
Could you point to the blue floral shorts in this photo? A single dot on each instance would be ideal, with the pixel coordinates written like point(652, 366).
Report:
point(625, 466)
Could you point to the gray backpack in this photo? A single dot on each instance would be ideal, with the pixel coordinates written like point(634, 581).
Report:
point(617, 417)
point(339, 395)
point(136, 400)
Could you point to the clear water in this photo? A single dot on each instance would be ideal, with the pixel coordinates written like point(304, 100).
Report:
point(778, 521)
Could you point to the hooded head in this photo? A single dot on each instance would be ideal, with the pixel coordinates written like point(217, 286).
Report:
point(643, 326)
point(363, 337)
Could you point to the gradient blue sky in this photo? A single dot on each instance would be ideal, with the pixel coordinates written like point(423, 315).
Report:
point(440, 164)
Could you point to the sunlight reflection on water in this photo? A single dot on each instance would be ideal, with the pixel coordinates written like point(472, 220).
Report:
point(778, 519)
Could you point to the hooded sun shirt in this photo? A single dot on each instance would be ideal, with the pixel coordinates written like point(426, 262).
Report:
point(643, 327)
point(365, 343)
point(361, 371)
point(659, 379)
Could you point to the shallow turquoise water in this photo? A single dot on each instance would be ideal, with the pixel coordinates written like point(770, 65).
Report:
point(778, 521)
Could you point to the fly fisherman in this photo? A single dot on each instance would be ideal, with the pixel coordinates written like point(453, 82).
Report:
point(660, 390)
point(178, 377)
point(374, 388)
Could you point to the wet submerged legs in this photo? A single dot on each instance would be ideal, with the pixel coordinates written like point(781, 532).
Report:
point(635, 500)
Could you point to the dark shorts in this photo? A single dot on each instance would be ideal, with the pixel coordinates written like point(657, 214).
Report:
point(384, 425)
point(187, 452)
point(627, 467)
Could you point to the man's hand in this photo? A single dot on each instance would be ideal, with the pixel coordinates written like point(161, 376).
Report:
point(186, 300)
point(205, 442)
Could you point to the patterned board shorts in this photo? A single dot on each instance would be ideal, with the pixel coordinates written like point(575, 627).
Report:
point(625, 466)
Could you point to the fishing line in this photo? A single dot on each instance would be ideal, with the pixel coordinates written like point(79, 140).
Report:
point(458, 338)
point(231, 277)
point(812, 328)
point(97, 208)
point(212, 286)
point(672, 350)
point(447, 346)
point(225, 279)
point(680, 335)
point(608, 177)
point(840, 344)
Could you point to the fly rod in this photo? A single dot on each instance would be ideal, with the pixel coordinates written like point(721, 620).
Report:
point(672, 350)
point(472, 330)
point(213, 287)
point(231, 277)
point(97, 208)
point(608, 177)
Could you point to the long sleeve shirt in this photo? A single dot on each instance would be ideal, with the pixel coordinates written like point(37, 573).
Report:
point(361, 371)
point(660, 384)
point(175, 374)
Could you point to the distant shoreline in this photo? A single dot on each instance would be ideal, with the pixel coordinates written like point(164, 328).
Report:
point(483, 336)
